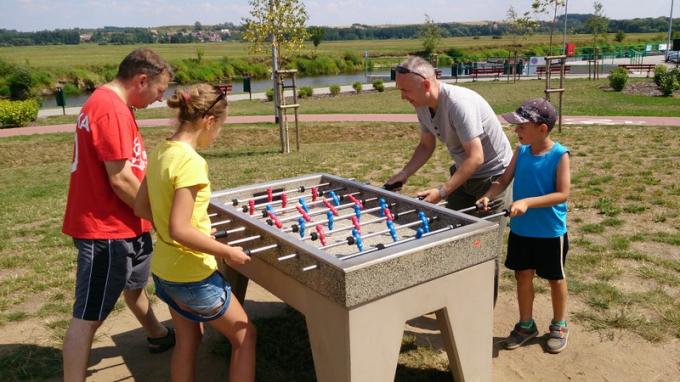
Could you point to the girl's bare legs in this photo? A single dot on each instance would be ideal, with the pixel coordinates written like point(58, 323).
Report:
point(188, 335)
point(235, 325)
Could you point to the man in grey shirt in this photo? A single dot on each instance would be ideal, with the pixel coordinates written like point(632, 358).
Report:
point(463, 121)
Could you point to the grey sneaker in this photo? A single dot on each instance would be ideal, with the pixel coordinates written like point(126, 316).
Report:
point(518, 336)
point(557, 339)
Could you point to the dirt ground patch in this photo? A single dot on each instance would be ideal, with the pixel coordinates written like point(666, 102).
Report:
point(120, 353)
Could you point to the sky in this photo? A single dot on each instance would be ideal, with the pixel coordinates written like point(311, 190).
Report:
point(31, 15)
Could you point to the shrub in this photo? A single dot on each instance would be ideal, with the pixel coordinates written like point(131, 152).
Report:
point(17, 113)
point(357, 87)
point(270, 94)
point(20, 83)
point(378, 85)
point(676, 72)
point(335, 90)
point(455, 53)
point(618, 78)
point(659, 71)
point(305, 91)
point(668, 83)
point(71, 90)
point(444, 60)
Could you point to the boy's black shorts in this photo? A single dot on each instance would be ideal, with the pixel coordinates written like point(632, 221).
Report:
point(545, 255)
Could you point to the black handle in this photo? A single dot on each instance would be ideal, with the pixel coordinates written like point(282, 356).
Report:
point(393, 186)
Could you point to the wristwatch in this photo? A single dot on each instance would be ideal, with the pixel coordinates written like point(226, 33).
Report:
point(442, 192)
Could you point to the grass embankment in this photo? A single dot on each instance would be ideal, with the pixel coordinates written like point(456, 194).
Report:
point(583, 97)
point(624, 219)
point(85, 66)
point(67, 56)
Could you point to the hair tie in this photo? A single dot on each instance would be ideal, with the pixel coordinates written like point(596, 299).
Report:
point(185, 96)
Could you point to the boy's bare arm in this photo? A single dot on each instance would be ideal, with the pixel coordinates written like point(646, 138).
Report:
point(561, 194)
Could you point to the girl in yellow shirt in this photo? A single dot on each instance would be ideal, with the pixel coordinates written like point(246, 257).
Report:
point(175, 196)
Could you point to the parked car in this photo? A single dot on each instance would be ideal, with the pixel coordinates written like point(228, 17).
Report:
point(673, 56)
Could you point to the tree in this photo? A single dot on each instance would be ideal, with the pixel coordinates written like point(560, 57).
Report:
point(198, 27)
point(544, 7)
point(597, 24)
point(317, 35)
point(520, 27)
point(280, 23)
point(430, 34)
point(620, 36)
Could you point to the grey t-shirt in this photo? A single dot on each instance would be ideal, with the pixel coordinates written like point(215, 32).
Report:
point(462, 115)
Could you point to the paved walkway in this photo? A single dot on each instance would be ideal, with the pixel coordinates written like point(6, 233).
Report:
point(567, 120)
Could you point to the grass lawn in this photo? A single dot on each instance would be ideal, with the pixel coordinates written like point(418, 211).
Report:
point(66, 56)
point(624, 221)
point(583, 97)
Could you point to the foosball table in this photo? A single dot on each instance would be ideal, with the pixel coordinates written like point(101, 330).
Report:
point(358, 262)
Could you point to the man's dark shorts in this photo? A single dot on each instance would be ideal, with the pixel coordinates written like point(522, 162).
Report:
point(105, 268)
point(545, 255)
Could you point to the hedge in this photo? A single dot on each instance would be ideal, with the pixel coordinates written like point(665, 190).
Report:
point(17, 113)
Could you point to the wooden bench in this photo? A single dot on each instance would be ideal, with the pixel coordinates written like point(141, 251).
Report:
point(638, 67)
point(540, 70)
point(492, 72)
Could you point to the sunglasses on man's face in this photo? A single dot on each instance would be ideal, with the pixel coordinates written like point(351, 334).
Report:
point(404, 70)
point(222, 94)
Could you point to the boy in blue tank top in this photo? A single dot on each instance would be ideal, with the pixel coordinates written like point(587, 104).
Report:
point(538, 241)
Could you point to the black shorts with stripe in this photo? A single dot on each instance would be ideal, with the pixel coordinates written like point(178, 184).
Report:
point(546, 256)
point(105, 268)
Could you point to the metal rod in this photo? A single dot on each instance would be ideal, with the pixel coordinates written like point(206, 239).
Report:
point(244, 240)
point(341, 217)
point(215, 224)
point(226, 233)
point(407, 225)
point(236, 202)
point(377, 248)
point(277, 202)
point(477, 207)
point(323, 210)
point(310, 267)
point(260, 249)
point(284, 210)
point(376, 220)
point(287, 257)
point(503, 213)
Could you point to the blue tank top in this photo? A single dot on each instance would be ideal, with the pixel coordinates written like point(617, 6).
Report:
point(536, 175)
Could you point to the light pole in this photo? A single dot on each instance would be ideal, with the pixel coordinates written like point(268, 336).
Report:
point(670, 32)
point(564, 38)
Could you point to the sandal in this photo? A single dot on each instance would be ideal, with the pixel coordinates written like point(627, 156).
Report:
point(161, 344)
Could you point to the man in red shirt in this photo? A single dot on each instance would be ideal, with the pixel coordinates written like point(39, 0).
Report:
point(114, 246)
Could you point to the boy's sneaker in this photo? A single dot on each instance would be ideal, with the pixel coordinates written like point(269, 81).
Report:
point(557, 339)
point(518, 336)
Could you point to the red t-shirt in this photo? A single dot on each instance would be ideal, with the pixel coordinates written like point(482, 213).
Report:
point(105, 131)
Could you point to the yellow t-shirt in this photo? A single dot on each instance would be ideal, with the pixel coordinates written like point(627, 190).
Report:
point(173, 165)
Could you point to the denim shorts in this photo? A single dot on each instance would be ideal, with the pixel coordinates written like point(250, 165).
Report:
point(199, 301)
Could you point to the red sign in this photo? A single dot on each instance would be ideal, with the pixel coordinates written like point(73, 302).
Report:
point(571, 49)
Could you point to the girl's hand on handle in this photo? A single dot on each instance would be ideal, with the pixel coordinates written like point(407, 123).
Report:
point(236, 256)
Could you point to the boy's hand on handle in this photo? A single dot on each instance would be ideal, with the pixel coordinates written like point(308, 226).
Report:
point(236, 256)
point(431, 195)
point(483, 203)
point(518, 208)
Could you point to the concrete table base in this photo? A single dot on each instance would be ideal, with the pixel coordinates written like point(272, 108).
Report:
point(362, 343)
